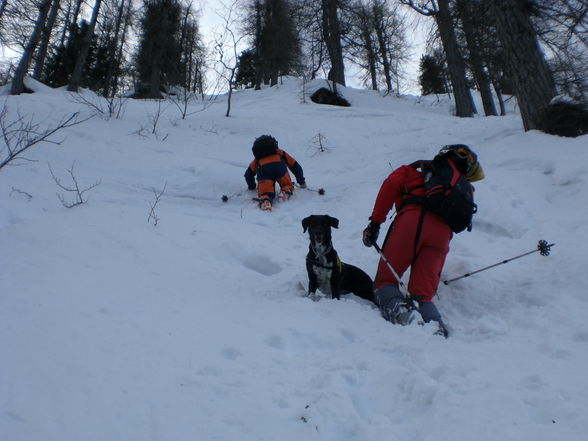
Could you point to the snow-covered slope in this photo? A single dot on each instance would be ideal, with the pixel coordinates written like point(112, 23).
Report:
point(114, 329)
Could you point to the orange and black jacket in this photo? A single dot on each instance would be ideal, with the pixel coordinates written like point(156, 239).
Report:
point(273, 167)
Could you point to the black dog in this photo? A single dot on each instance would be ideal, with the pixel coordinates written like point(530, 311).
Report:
point(325, 270)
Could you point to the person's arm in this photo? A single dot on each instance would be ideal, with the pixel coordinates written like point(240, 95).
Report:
point(390, 191)
point(250, 176)
point(295, 168)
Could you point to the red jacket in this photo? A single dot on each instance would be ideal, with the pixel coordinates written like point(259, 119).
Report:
point(395, 189)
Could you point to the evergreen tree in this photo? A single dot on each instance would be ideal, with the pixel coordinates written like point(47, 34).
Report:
point(246, 70)
point(158, 58)
point(275, 44)
point(431, 78)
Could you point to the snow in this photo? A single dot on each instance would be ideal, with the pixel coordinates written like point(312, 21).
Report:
point(197, 328)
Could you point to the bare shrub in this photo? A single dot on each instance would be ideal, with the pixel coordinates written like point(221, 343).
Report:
point(74, 188)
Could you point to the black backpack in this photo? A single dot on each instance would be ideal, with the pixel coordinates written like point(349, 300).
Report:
point(447, 193)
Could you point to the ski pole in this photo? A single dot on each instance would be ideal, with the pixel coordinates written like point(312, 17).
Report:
point(320, 191)
point(225, 198)
point(542, 247)
point(401, 285)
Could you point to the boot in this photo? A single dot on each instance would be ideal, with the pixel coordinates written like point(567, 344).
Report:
point(284, 195)
point(265, 205)
point(442, 330)
point(402, 314)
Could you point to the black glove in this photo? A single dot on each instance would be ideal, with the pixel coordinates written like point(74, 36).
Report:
point(302, 184)
point(251, 188)
point(370, 234)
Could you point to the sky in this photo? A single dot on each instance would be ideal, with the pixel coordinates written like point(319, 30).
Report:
point(155, 311)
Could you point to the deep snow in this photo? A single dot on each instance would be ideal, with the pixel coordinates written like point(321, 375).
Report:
point(114, 329)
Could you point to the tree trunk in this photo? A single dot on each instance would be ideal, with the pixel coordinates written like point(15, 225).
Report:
point(371, 56)
point(332, 36)
point(76, 76)
point(480, 74)
point(498, 91)
point(531, 79)
point(121, 44)
point(25, 61)
point(464, 104)
point(378, 25)
point(257, 50)
point(112, 61)
point(44, 44)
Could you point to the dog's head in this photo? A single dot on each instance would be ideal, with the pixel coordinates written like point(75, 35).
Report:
point(319, 228)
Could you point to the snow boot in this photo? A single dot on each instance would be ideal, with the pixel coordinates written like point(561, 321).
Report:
point(265, 205)
point(402, 314)
point(442, 330)
point(284, 195)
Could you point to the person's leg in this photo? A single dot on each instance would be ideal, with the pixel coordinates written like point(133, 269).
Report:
point(426, 269)
point(266, 189)
point(431, 250)
point(398, 248)
point(285, 183)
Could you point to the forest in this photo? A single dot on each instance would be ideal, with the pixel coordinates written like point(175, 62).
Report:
point(536, 51)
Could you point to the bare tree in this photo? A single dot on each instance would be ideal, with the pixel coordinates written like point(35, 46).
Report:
point(362, 42)
point(439, 10)
point(44, 43)
point(226, 47)
point(562, 27)
point(22, 133)
point(531, 79)
point(109, 81)
point(332, 37)
point(27, 56)
point(466, 13)
point(74, 81)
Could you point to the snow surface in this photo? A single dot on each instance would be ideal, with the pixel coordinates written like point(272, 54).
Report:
point(114, 329)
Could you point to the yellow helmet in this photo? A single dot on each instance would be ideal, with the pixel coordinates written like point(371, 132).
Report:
point(466, 158)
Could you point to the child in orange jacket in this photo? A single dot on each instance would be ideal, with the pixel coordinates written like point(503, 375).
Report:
point(271, 165)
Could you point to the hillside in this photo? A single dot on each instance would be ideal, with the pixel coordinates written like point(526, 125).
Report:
point(197, 328)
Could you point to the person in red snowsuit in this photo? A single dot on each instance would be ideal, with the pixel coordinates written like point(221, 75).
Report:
point(417, 238)
point(270, 166)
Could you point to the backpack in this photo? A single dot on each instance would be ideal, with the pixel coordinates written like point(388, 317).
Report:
point(447, 193)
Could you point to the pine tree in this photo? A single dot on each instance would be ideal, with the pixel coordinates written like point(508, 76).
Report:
point(431, 76)
point(159, 55)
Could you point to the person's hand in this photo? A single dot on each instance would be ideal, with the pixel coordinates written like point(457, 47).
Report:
point(370, 234)
point(251, 188)
point(302, 185)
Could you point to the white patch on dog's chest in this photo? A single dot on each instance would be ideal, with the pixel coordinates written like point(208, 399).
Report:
point(323, 274)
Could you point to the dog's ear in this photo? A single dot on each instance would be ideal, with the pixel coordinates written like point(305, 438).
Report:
point(333, 221)
point(305, 223)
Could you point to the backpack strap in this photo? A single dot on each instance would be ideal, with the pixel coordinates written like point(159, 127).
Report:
point(412, 199)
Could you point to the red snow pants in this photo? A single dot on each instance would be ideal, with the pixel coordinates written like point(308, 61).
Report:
point(425, 258)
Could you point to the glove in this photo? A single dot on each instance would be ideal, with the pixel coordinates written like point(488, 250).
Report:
point(302, 184)
point(370, 234)
point(251, 188)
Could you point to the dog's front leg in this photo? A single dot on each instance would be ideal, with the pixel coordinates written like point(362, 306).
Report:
point(312, 280)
